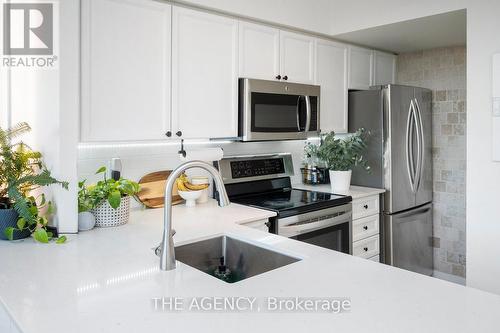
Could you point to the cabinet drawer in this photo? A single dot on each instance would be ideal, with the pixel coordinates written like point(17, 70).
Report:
point(365, 227)
point(366, 248)
point(375, 258)
point(365, 207)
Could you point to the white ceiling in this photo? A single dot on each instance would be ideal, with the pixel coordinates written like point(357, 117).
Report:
point(448, 29)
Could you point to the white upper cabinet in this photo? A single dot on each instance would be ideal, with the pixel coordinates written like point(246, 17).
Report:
point(204, 74)
point(331, 75)
point(259, 51)
point(360, 68)
point(297, 57)
point(125, 70)
point(384, 68)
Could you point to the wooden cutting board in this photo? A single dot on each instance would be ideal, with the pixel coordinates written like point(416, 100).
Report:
point(153, 190)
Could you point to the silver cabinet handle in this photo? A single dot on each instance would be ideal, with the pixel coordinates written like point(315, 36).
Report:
point(308, 113)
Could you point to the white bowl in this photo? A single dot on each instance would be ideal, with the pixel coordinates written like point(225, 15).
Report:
point(190, 197)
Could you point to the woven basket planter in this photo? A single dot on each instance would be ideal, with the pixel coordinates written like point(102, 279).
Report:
point(106, 216)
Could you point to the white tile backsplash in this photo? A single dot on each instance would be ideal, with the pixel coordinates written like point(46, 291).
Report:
point(140, 159)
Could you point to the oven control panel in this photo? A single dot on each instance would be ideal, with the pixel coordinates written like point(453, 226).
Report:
point(253, 168)
point(238, 169)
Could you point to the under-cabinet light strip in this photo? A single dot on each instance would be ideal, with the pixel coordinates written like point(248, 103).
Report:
point(149, 144)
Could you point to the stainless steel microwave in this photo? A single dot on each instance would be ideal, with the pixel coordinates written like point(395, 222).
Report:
point(273, 110)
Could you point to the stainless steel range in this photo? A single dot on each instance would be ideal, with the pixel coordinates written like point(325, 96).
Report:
point(263, 181)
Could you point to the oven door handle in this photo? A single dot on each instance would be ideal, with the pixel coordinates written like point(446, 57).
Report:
point(294, 230)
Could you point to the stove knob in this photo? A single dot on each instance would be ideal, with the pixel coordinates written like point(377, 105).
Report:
point(365, 227)
point(365, 249)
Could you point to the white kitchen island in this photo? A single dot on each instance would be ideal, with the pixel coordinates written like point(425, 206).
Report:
point(105, 280)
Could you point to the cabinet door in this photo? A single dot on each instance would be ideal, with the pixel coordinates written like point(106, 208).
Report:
point(384, 68)
point(331, 75)
point(297, 57)
point(125, 70)
point(360, 68)
point(259, 54)
point(204, 74)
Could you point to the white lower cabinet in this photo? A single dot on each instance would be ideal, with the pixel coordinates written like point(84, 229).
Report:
point(204, 74)
point(331, 75)
point(366, 248)
point(366, 228)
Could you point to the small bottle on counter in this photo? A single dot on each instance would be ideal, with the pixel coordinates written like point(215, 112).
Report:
point(314, 175)
point(309, 174)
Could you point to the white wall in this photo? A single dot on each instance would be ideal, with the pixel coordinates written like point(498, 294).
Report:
point(347, 16)
point(48, 100)
point(483, 175)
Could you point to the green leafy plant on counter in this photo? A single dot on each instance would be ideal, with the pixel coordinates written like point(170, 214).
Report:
point(91, 196)
point(340, 154)
point(21, 172)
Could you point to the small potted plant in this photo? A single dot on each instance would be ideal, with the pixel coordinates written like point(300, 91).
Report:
point(108, 199)
point(21, 172)
point(341, 155)
point(86, 220)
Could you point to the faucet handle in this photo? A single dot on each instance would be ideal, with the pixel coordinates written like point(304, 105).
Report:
point(158, 248)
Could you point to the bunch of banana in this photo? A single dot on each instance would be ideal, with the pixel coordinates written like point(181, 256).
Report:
point(183, 184)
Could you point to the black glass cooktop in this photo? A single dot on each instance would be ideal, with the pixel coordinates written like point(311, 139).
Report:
point(290, 202)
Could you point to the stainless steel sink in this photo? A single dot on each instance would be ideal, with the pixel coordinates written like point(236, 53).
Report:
point(243, 259)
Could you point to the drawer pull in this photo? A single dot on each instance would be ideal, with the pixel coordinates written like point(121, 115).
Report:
point(366, 206)
point(365, 227)
point(366, 249)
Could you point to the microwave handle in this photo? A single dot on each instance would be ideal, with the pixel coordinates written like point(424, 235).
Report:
point(298, 113)
point(308, 113)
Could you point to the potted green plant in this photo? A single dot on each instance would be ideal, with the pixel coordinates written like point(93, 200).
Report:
point(341, 155)
point(108, 200)
point(21, 172)
point(86, 220)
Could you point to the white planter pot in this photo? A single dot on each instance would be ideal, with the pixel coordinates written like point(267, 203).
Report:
point(107, 216)
point(340, 181)
point(86, 221)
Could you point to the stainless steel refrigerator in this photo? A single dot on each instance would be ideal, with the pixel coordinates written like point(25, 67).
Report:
point(399, 119)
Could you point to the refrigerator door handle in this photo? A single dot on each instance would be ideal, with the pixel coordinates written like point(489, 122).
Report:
point(410, 166)
point(420, 145)
point(418, 211)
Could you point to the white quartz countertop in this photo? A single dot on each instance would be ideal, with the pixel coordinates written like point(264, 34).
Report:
point(356, 192)
point(104, 280)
